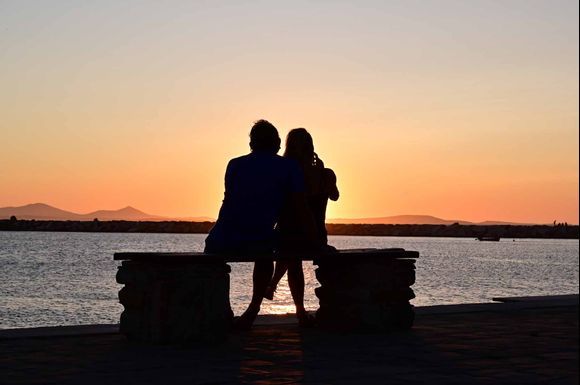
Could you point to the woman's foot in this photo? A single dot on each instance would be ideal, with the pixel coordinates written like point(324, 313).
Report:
point(305, 320)
point(246, 320)
point(269, 294)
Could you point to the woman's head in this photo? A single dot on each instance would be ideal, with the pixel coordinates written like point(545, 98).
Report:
point(299, 146)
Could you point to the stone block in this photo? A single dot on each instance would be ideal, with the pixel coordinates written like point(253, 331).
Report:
point(175, 302)
point(370, 294)
point(131, 296)
point(134, 325)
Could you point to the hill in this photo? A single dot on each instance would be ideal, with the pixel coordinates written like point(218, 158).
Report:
point(39, 211)
point(42, 211)
point(398, 219)
point(416, 220)
point(127, 214)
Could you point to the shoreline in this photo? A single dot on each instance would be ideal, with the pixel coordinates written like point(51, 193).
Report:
point(375, 230)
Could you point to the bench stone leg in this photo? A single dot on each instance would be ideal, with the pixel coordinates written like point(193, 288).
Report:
point(370, 295)
point(180, 303)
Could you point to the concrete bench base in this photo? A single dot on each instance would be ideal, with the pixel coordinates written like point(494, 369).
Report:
point(184, 297)
point(175, 302)
point(365, 295)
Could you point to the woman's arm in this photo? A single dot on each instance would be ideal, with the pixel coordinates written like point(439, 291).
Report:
point(330, 184)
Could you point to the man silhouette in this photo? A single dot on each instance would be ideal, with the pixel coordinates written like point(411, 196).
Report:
point(257, 186)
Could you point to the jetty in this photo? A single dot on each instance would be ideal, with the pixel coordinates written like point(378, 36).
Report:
point(185, 227)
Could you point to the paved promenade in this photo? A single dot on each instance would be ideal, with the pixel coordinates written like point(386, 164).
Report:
point(489, 344)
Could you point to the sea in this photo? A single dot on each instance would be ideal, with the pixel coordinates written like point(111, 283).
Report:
point(68, 278)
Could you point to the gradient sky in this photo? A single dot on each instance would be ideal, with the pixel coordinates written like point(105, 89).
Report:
point(458, 109)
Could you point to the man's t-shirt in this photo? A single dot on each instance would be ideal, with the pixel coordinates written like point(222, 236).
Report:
point(257, 186)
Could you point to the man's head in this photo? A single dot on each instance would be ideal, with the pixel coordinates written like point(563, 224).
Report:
point(264, 137)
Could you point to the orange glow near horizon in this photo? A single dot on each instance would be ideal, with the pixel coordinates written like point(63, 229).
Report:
point(465, 117)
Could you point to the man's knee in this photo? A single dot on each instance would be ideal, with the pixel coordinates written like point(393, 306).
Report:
point(265, 267)
point(263, 263)
point(295, 264)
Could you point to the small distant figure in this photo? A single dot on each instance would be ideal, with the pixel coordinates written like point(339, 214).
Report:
point(321, 186)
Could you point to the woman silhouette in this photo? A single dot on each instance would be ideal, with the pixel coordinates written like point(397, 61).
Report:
point(320, 183)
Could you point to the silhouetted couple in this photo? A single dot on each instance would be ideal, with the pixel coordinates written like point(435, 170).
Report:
point(273, 203)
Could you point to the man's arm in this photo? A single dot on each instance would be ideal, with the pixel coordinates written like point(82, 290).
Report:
point(229, 174)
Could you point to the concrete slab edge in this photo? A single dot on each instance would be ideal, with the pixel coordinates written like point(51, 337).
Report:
point(289, 319)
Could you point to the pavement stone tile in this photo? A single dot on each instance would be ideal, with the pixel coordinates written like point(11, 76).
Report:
point(524, 346)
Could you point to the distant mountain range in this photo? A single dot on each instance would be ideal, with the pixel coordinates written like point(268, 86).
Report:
point(42, 211)
point(413, 220)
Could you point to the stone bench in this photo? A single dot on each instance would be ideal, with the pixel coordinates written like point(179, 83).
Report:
point(179, 297)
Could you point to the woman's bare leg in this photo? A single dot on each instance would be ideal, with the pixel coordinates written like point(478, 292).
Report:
point(281, 267)
point(296, 283)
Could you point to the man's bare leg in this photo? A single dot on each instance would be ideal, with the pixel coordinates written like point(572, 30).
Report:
point(261, 278)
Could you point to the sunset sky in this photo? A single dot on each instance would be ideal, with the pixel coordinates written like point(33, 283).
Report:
point(457, 109)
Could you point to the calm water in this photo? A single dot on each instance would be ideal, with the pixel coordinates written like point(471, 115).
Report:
point(69, 278)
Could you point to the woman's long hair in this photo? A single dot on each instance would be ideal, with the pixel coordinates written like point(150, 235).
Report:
point(299, 146)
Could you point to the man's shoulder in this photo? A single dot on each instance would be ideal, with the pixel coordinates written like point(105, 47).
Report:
point(286, 161)
point(265, 158)
point(290, 165)
point(239, 158)
point(240, 161)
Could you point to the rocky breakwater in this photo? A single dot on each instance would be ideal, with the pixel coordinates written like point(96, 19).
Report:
point(170, 299)
point(367, 290)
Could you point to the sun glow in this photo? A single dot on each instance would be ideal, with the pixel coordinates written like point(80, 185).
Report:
point(457, 115)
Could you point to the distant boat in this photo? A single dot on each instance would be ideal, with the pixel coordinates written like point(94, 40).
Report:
point(488, 239)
